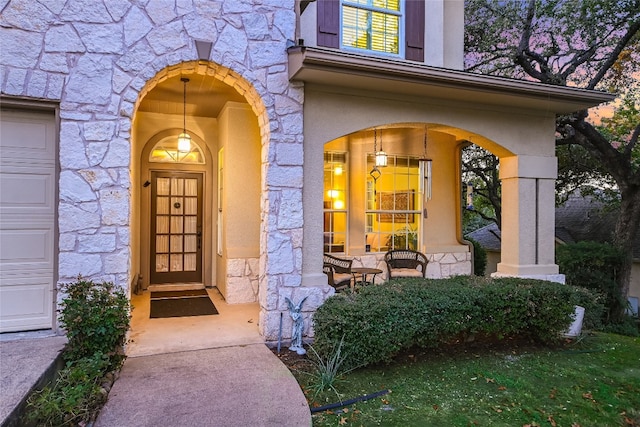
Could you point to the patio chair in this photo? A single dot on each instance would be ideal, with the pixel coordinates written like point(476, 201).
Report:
point(338, 271)
point(405, 263)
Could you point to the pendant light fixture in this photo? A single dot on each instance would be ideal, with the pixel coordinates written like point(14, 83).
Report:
point(184, 140)
point(381, 156)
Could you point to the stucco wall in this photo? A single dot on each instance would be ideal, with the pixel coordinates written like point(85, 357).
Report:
point(240, 138)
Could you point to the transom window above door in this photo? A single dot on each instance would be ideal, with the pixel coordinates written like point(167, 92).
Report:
point(166, 151)
point(372, 25)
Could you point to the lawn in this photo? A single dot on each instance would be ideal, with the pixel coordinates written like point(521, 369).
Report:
point(592, 382)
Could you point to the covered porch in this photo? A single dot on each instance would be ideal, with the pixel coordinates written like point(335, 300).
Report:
point(356, 105)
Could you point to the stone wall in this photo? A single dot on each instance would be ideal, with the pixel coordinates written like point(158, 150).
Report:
point(97, 57)
point(441, 264)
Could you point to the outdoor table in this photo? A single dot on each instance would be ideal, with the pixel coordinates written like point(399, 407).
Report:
point(367, 275)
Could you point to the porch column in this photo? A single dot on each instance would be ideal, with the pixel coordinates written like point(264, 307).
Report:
point(528, 217)
point(312, 202)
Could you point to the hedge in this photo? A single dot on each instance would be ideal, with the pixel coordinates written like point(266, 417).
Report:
point(380, 321)
point(595, 266)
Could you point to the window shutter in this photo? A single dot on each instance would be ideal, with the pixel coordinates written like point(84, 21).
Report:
point(329, 23)
point(414, 30)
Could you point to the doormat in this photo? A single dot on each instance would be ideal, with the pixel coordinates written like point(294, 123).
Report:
point(181, 304)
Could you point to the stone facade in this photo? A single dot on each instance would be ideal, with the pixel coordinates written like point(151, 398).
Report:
point(98, 58)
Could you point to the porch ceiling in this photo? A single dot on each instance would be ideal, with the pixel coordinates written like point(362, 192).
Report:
point(344, 69)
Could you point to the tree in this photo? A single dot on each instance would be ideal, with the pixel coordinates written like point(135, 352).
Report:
point(592, 44)
point(480, 171)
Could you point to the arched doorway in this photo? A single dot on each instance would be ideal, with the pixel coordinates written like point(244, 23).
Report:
point(197, 212)
point(176, 207)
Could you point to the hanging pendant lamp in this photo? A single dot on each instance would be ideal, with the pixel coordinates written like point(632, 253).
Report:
point(184, 140)
point(381, 156)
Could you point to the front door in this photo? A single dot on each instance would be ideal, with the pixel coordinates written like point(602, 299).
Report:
point(176, 227)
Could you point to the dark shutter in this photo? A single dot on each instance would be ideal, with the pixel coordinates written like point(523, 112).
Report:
point(329, 23)
point(414, 30)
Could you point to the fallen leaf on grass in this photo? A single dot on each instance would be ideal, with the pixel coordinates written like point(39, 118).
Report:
point(342, 421)
point(502, 388)
point(575, 425)
point(490, 380)
point(628, 421)
point(436, 407)
point(588, 396)
point(345, 410)
point(552, 421)
point(552, 394)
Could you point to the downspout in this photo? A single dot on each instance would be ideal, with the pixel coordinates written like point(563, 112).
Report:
point(459, 147)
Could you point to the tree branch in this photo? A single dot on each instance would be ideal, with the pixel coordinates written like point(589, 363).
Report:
point(613, 57)
point(632, 143)
point(523, 52)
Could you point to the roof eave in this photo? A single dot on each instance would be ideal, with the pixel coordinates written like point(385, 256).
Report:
point(345, 69)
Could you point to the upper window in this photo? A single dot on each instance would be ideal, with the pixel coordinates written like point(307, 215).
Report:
point(372, 25)
point(389, 27)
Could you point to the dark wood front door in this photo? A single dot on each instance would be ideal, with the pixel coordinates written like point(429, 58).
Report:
point(176, 227)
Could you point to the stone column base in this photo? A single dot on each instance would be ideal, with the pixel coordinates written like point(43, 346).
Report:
point(558, 278)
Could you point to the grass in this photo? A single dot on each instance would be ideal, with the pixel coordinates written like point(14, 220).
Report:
point(593, 382)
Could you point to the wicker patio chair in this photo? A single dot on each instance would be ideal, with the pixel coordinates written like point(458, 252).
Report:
point(338, 270)
point(405, 263)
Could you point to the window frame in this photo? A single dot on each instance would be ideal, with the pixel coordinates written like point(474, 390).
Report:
point(401, 28)
point(328, 156)
point(377, 211)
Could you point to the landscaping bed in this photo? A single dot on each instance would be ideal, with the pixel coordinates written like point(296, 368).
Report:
point(467, 351)
point(592, 381)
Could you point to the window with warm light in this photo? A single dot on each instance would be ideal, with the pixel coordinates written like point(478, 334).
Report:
point(372, 25)
point(335, 202)
point(393, 205)
point(167, 150)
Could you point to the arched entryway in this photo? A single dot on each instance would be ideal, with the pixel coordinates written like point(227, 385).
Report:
point(410, 200)
point(196, 210)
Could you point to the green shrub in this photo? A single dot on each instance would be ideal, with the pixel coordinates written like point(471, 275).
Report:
point(479, 258)
point(628, 326)
point(96, 319)
point(379, 321)
point(74, 397)
point(594, 266)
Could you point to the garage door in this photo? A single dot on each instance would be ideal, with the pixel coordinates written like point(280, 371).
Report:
point(27, 220)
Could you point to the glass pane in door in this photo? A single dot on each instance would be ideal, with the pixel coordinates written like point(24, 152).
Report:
point(176, 225)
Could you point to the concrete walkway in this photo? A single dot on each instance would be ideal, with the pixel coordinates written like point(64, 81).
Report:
point(190, 371)
point(230, 386)
point(26, 361)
